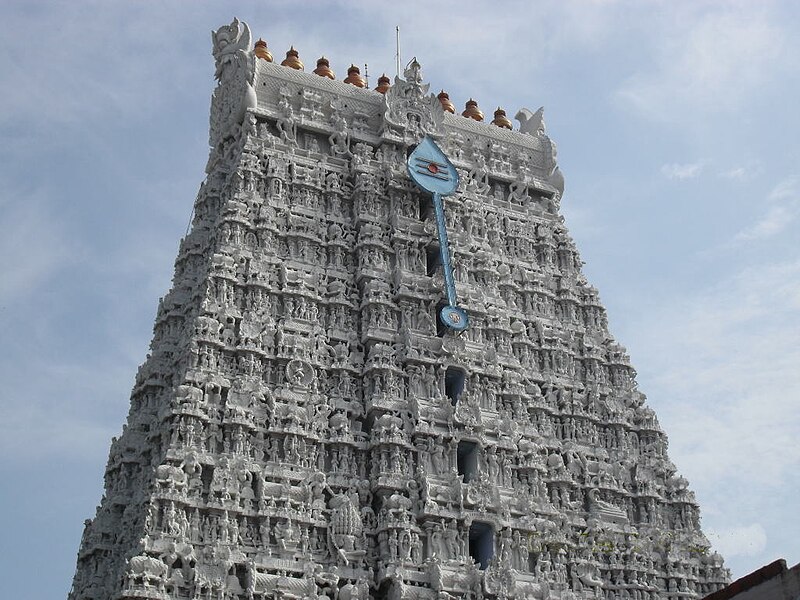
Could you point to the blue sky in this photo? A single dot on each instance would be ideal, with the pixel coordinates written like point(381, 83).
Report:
point(677, 130)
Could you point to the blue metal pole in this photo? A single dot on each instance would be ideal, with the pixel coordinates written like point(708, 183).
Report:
point(444, 250)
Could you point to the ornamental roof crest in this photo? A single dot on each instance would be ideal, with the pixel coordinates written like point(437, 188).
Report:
point(410, 112)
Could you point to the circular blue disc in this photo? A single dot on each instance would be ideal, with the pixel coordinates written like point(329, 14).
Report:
point(454, 317)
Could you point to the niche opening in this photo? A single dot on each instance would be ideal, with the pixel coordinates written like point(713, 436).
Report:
point(433, 259)
point(454, 383)
point(481, 543)
point(468, 460)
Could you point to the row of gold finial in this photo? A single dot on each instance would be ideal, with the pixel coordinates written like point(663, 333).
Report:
point(292, 60)
point(471, 111)
point(323, 69)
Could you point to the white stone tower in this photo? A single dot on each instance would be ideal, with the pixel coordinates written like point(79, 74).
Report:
point(306, 427)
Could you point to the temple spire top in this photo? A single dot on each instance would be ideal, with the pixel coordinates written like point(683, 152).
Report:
point(446, 103)
point(354, 77)
point(324, 68)
point(261, 50)
point(472, 111)
point(292, 60)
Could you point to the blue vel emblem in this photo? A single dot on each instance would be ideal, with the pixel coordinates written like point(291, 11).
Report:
point(430, 170)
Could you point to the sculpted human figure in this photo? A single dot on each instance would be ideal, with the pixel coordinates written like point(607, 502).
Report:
point(478, 177)
point(286, 123)
point(339, 139)
point(452, 540)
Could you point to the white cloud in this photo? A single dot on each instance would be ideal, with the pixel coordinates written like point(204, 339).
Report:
point(783, 212)
point(681, 171)
point(742, 173)
point(739, 173)
point(772, 223)
point(786, 189)
point(725, 364)
point(707, 61)
point(747, 540)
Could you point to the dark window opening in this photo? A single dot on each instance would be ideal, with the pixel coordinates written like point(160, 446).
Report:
point(425, 207)
point(206, 476)
point(454, 383)
point(468, 460)
point(433, 259)
point(481, 543)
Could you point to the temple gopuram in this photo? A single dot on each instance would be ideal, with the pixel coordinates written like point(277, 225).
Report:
point(381, 373)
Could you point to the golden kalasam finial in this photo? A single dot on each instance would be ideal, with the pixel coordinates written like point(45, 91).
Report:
point(500, 119)
point(292, 60)
point(384, 83)
point(472, 111)
point(324, 68)
point(354, 77)
point(447, 104)
point(261, 50)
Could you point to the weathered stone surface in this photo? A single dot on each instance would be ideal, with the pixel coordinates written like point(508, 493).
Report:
point(302, 430)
